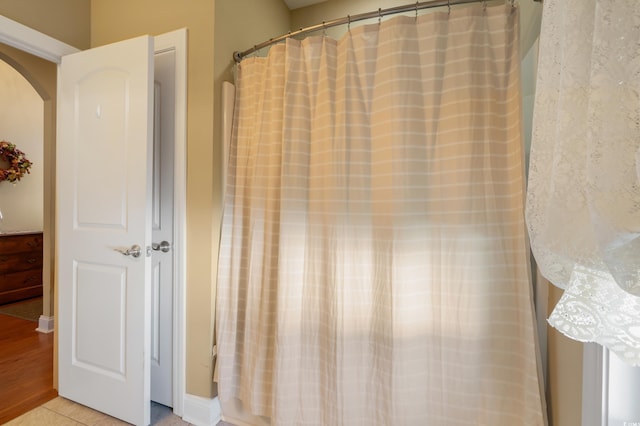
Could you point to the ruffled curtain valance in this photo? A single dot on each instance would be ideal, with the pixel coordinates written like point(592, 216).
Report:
point(583, 201)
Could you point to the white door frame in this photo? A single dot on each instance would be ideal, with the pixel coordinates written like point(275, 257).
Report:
point(595, 385)
point(177, 41)
point(36, 43)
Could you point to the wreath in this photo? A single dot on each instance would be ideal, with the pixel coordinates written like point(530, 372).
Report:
point(18, 163)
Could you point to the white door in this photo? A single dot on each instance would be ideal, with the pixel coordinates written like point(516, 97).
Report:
point(104, 211)
point(162, 259)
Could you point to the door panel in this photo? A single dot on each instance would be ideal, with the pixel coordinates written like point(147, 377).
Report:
point(104, 208)
point(99, 293)
point(105, 117)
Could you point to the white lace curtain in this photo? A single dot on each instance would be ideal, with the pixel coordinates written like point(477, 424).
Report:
point(373, 263)
point(583, 203)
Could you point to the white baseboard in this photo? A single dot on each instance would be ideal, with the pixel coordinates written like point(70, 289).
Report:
point(201, 411)
point(45, 324)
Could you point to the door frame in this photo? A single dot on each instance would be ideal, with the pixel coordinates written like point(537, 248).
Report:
point(38, 44)
point(595, 385)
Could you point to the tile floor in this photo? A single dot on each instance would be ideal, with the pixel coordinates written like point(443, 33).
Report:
point(62, 412)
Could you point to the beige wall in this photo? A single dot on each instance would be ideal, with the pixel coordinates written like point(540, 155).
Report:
point(564, 388)
point(334, 9)
point(65, 20)
point(236, 23)
point(116, 20)
point(21, 123)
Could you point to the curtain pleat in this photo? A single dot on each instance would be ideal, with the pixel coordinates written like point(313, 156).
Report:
point(373, 265)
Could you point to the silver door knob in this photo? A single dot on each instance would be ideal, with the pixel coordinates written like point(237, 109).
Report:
point(134, 251)
point(164, 246)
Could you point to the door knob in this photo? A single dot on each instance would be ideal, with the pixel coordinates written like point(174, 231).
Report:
point(134, 251)
point(164, 246)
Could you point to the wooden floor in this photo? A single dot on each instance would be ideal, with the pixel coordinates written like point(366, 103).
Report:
point(26, 367)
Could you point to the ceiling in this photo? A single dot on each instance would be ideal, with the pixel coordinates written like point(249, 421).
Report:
point(296, 4)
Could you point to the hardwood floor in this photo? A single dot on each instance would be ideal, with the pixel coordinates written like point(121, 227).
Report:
point(26, 367)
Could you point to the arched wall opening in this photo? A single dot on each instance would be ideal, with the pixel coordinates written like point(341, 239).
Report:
point(21, 124)
point(42, 76)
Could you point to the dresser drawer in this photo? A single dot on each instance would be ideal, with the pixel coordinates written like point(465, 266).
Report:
point(17, 280)
point(20, 243)
point(20, 262)
point(11, 244)
point(20, 267)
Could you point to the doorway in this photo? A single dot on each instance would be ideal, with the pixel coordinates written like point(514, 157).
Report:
point(52, 50)
point(21, 123)
point(29, 83)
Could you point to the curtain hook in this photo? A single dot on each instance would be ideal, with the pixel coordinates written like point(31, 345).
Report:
point(449, 6)
point(324, 29)
point(348, 22)
point(417, 9)
point(484, 5)
point(379, 15)
point(513, 4)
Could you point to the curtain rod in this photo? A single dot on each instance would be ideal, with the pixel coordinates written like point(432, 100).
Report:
point(238, 56)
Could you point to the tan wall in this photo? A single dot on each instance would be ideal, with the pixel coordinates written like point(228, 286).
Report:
point(334, 9)
point(21, 123)
point(116, 20)
point(65, 20)
point(235, 21)
point(564, 388)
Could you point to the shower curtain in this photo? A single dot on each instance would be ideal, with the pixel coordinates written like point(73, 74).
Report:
point(373, 266)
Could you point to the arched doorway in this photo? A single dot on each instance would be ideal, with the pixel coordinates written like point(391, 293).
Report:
point(42, 75)
point(21, 123)
point(43, 46)
point(28, 120)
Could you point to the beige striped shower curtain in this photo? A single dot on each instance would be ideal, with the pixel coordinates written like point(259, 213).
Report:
point(373, 266)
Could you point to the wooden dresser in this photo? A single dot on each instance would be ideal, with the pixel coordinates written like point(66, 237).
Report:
point(20, 266)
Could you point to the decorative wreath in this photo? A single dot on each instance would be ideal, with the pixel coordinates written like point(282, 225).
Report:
point(18, 163)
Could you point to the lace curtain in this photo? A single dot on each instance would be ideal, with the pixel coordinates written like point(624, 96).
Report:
point(583, 201)
point(373, 262)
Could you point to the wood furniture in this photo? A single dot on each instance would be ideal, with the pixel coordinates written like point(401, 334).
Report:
point(20, 266)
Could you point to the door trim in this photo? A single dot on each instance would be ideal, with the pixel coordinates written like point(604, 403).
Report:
point(595, 385)
point(36, 43)
point(177, 41)
point(31, 41)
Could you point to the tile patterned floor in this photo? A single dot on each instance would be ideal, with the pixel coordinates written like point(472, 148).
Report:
point(62, 412)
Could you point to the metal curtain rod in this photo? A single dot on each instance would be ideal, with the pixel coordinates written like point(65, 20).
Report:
point(238, 56)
